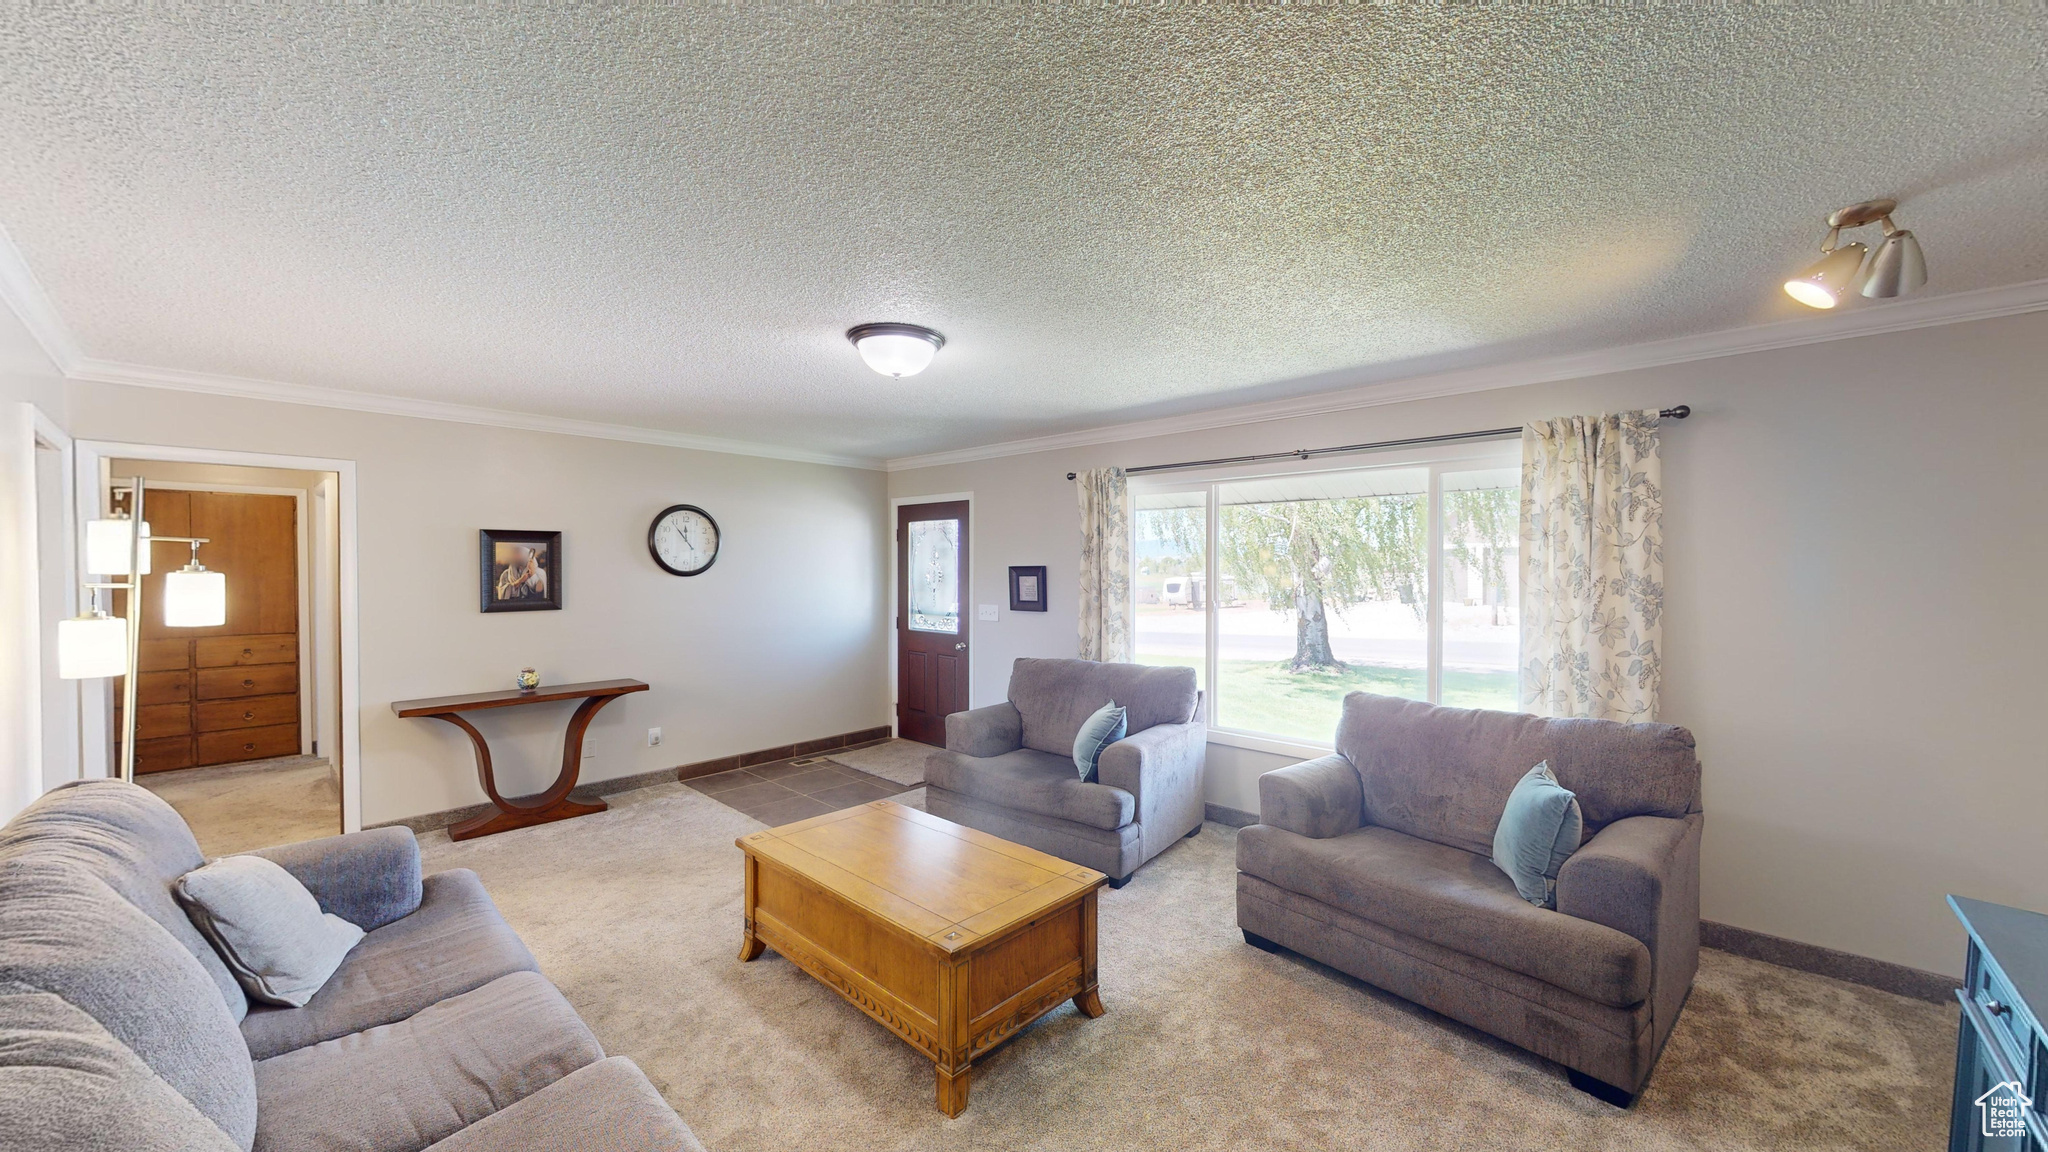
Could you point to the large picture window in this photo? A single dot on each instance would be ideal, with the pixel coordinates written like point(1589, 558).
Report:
point(1287, 592)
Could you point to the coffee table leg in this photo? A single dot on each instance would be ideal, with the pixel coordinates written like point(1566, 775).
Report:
point(751, 946)
point(953, 1091)
point(1089, 1003)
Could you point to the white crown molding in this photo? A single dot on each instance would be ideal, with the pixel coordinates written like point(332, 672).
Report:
point(1868, 320)
point(143, 376)
point(25, 296)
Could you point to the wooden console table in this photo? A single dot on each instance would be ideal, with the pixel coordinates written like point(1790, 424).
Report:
point(524, 811)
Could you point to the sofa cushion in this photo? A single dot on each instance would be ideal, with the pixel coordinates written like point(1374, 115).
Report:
point(400, 1087)
point(455, 942)
point(126, 835)
point(1033, 781)
point(267, 927)
point(1538, 832)
point(1105, 726)
point(1444, 774)
point(66, 1082)
point(65, 930)
point(1455, 899)
point(1054, 697)
point(607, 1105)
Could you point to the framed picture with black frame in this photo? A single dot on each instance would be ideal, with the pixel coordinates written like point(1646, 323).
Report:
point(518, 571)
point(1027, 588)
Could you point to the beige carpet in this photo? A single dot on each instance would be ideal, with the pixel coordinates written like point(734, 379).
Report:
point(1208, 1044)
point(237, 807)
point(898, 760)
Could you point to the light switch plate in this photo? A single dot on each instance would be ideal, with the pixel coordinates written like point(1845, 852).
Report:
point(988, 612)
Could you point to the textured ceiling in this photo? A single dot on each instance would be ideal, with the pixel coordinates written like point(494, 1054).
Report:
point(667, 217)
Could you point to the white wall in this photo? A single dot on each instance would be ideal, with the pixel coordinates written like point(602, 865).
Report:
point(783, 639)
point(1856, 534)
point(28, 382)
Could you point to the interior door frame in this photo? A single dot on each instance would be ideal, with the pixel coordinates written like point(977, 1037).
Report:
point(90, 457)
point(896, 504)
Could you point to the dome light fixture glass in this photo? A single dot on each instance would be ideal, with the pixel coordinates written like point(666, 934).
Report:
point(896, 350)
point(1896, 268)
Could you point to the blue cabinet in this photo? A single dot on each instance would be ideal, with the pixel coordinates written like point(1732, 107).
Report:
point(2001, 1096)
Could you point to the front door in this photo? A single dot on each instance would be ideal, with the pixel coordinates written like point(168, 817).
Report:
point(931, 628)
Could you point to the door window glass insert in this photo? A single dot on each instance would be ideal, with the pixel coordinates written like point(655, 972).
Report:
point(934, 576)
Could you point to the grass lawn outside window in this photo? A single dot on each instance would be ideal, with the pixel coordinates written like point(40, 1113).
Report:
point(1265, 697)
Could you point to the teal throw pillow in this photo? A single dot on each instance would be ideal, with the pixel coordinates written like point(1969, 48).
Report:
point(1099, 731)
point(1538, 832)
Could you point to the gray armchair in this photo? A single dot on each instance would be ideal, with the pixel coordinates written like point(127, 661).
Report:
point(1008, 769)
point(1376, 860)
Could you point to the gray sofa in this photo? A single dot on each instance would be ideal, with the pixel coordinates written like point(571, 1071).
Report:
point(1008, 769)
point(120, 1028)
point(1376, 861)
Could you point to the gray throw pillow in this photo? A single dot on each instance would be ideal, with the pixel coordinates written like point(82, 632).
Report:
point(1538, 832)
point(268, 929)
point(1098, 731)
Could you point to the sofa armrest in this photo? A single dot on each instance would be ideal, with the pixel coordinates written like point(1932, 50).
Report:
point(1315, 798)
point(1639, 875)
point(1159, 757)
point(989, 731)
point(367, 878)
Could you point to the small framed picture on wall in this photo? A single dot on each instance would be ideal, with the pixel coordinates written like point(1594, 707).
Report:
point(1027, 589)
point(518, 571)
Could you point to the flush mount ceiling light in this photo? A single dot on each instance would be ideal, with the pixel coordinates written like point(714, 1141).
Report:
point(897, 350)
point(1895, 269)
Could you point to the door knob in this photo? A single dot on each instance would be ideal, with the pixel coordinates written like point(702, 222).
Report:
point(960, 647)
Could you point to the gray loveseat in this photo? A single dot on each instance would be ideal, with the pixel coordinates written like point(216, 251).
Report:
point(121, 1029)
point(1008, 769)
point(1377, 861)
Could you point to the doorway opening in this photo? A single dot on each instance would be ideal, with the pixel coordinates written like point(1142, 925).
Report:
point(932, 628)
point(245, 727)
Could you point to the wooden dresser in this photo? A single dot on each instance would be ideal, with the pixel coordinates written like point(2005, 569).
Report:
point(229, 693)
point(2001, 1094)
point(216, 700)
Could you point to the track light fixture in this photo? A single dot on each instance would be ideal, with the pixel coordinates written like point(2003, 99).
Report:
point(1896, 268)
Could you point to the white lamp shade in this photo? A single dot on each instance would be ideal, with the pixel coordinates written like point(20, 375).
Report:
point(1897, 268)
point(106, 547)
point(92, 646)
point(896, 353)
point(195, 598)
point(1829, 279)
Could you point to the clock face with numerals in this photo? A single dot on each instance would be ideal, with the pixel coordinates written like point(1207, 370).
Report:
point(683, 540)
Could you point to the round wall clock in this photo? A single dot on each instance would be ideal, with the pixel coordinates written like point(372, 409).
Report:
point(683, 539)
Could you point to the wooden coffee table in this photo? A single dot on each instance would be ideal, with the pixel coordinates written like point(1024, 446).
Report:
point(951, 938)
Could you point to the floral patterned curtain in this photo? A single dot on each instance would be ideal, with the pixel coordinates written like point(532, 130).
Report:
point(1592, 567)
point(1104, 604)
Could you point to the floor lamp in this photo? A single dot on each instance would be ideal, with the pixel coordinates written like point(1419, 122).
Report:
point(93, 644)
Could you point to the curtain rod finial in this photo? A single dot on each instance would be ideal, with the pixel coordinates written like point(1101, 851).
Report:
point(1070, 475)
point(1678, 413)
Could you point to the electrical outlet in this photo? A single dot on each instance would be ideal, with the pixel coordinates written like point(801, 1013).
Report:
point(653, 737)
point(988, 612)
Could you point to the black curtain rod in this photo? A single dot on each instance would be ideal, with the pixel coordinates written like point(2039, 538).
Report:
point(1678, 413)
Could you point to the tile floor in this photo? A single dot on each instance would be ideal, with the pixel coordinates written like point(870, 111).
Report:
point(790, 790)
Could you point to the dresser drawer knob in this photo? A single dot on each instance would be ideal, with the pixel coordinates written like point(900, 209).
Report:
point(248, 715)
point(248, 683)
point(248, 747)
point(248, 651)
